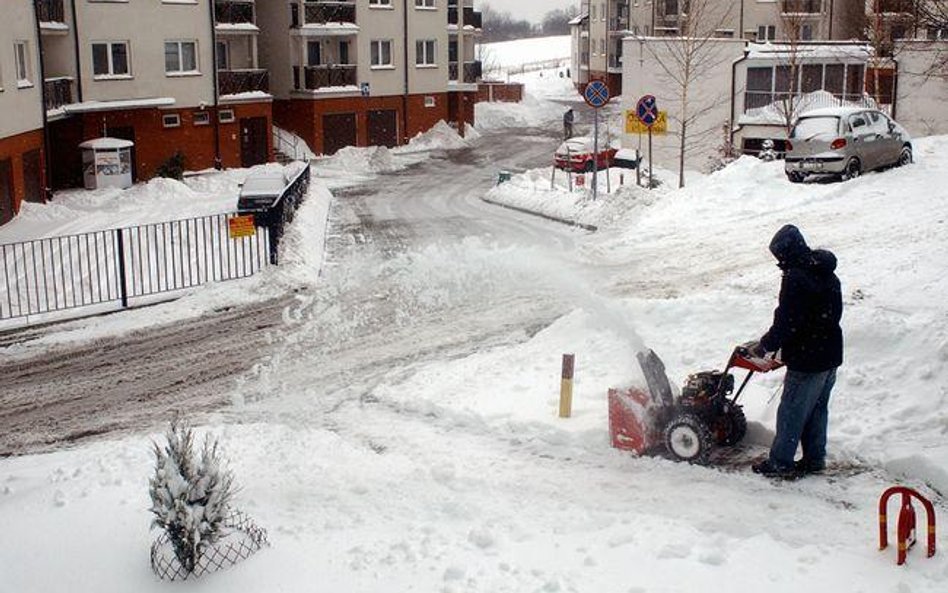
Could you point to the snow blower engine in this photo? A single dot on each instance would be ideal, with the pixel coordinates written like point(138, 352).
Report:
point(704, 414)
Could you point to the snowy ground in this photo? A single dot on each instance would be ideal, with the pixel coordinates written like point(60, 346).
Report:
point(401, 434)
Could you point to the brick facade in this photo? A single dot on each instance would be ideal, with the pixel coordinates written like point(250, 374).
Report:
point(304, 117)
point(499, 92)
point(155, 143)
point(13, 150)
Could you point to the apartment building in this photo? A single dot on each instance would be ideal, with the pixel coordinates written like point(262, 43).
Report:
point(21, 114)
point(598, 34)
point(370, 72)
point(148, 71)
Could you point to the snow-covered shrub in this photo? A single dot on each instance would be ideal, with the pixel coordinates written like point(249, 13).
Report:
point(172, 168)
point(190, 493)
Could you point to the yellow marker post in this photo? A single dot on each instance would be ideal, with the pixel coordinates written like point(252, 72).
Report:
point(566, 386)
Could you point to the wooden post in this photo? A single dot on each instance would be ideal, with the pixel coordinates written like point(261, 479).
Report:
point(566, 386)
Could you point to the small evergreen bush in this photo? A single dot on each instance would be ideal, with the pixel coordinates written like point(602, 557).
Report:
point(190, 493)
point(172, 168)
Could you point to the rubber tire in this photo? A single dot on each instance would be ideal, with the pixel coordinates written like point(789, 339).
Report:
point(796, 176)
point(853, 169)
point(687, 438)
point(905, 157)
point(735, 423)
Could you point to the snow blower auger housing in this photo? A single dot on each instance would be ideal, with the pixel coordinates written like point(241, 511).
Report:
point(704, 414)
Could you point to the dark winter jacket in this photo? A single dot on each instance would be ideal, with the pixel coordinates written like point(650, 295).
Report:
point(806, 322)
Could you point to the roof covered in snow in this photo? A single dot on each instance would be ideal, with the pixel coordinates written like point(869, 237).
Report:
point(91, 106)
point(847, 51)
point(107, 144)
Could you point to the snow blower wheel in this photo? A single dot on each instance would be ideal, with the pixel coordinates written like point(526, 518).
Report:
point(731, 427)
point(688, 439)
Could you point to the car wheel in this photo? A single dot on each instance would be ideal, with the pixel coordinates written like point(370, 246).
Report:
point(853, 169)
point(796, 176)
point(589, 167)
point(905, 157)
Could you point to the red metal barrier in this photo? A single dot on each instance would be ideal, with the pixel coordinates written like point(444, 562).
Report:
point(906, 525)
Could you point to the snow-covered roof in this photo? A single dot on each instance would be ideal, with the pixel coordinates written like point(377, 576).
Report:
point(236, 28)
point(264, 183)
point(246, 97)
point(809, 51)
point(815, 103)
point(92, 106)
point(107, 144)
point(340, 29)
point(579, 20)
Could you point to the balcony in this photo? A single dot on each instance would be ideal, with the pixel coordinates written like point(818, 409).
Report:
point(812, 7)
point(894, 7)
point(672, 9)
point(472, 72)
point(234, 13)
point(235, 82)
point(321, 77)
point(323, 12)
point(50, 11)
point(57, 92)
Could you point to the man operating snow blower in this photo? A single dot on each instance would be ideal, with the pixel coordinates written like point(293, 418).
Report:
point(807, 333)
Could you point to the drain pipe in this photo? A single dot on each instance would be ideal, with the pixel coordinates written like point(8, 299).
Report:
point(407, 85)
point(47, 186)
point(212, 10)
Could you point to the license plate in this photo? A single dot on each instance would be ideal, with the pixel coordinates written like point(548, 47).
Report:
point(812, 166)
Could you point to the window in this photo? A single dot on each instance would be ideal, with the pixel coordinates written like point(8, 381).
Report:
point(592, 12)
point(381, 52)
point(806, 33)
point(344, 52)
point(110, 59)
point(201, 118)
point(226, 116)
point(171, 120)
point(386, 3)
point(223, 55)
point(425, 52)
point(602, 46)
point(314, 53)
point(760, 84)
point(766, 33)
point(23, 69)
point(430, 101)
point(180, 57)
point(424, 3)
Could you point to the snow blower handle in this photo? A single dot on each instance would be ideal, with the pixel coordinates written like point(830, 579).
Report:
point(753, 357)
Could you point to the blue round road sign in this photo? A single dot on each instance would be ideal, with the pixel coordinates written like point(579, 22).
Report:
point(647, 110)
point(596, 94)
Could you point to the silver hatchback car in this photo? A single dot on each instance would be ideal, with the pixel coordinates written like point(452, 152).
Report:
point(845, 142)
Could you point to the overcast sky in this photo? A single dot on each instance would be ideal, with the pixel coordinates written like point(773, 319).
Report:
point(532, 10)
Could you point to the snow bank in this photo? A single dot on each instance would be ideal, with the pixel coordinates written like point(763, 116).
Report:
point(512, 54)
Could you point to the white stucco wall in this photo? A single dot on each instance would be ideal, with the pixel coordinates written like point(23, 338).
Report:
point(921, 105)
point(20, 104)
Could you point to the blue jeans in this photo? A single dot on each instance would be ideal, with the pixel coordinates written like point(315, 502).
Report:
point(802, 418)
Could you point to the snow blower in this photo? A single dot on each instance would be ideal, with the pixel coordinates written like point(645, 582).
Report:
point(689, 425)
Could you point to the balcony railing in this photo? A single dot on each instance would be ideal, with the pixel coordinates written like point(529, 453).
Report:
point(50, 11)
point(58, 92)
point(472, 72)
point(320, 77)
point(234, 12)
point(234, 82)
point(320, 13)
point(894, 6)
point(801, 6)
point(452, 71)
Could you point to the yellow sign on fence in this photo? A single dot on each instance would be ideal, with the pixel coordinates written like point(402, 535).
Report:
point(633, 125)
point(241, 226)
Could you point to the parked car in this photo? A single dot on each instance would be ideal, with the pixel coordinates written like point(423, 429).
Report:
point(577, 154)
point(260, 191)
point(845, 142)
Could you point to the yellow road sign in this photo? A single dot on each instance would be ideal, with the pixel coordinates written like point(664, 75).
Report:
point(633, 125)
point(241, 226)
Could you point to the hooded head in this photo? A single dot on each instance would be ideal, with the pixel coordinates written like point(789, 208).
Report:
point(789, 246)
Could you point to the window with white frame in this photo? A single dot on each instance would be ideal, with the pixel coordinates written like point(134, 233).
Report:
point(424, 3)
point(24, 70)
point(766, 32)
point(380, 2)
point(381, 53)
point(110, 58)
point(181, 57)
point(201, 118)
point(425, 52)
point(226, 116)
point(171, 120)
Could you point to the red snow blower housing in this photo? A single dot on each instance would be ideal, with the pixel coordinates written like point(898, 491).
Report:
point(689, 425)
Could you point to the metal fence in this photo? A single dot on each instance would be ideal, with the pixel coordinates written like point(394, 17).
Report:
point(116, 266)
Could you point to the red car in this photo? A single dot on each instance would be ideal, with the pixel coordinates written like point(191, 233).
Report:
point(576, 154)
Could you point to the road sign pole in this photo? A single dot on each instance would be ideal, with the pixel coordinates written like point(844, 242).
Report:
point(650, 157)
point(595, 180)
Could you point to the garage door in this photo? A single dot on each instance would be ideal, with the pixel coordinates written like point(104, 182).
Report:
point(339, 131)
point(383, 128)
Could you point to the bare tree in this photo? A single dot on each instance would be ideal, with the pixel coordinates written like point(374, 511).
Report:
point(688, 59)
point(933, 15)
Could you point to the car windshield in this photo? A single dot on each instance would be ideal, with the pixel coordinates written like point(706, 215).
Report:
point(811, 127)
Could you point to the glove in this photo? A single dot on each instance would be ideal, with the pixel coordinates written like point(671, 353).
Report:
point(755, 349)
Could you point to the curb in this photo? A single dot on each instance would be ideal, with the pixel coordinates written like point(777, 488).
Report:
point(585, 227)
